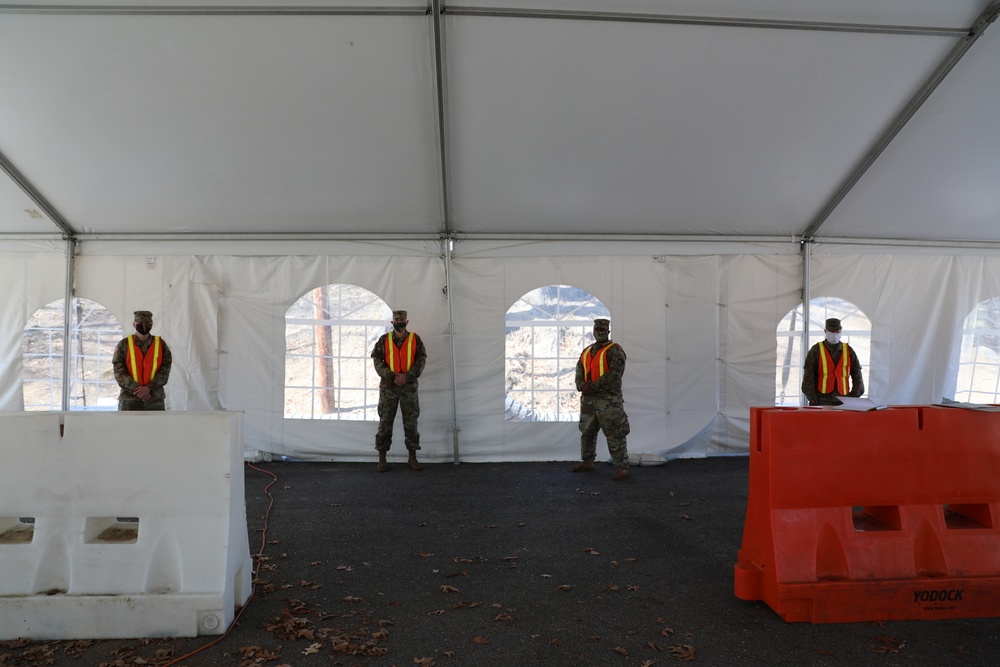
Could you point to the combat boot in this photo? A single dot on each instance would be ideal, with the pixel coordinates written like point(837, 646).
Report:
point(383, 465)
point(412, 461)
point(583, 466)
point(620, 474)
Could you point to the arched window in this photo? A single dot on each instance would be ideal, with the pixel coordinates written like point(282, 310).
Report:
point(857, 331)
point(979, 362)
point(329, 335)
point(94, 333)
point(547, 330)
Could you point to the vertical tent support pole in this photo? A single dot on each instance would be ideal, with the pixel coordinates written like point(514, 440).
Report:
point(806, 296)
point(67, 315)
point(447, 245)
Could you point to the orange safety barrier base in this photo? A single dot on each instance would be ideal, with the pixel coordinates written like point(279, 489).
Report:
point(891, 514)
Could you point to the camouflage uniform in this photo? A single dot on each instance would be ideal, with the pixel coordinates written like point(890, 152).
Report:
point(603, 409)
point(127, 400)
point(391, 396)
point(810, 374)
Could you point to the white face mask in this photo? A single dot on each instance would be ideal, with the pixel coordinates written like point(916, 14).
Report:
point(832, 338)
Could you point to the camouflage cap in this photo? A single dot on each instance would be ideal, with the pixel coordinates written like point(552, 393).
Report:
point(143, 316)
point(833, 324)
point(602, 324)
point(399, 315)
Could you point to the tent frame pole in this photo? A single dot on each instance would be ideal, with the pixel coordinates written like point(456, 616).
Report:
point(67, 319)
point(806, 296)
point(447, 246)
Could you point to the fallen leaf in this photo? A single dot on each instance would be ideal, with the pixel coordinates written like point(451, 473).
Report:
point(889, 645)
point(480, 640)
point(449, 589)
point(591, 551)
point(622, 651)
point(556, 642)
point(449, 654)
point(655, 647)
point(427, 662)
point(564, 587)
point(613, 587)
point(633, 587)
point(424, 554)
point(438, 612)
point(646, 663)
point(683, 652)
point(352, 599)
point(312, 648)
point(666, 632)
point(506, 618)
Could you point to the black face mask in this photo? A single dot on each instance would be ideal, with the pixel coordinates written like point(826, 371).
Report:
point(399, 326)
point(143, 327)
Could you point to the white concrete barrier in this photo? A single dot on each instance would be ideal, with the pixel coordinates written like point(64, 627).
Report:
point(116, 525)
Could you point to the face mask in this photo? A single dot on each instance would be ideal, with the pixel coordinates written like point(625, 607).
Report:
point(601, 335)
point(832, 338)
point(399, 326)
point(143, 328)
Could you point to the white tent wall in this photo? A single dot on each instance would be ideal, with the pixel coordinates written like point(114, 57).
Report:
point(758, 291)
point(698, 328)
point(31, 279)
point(917, 304)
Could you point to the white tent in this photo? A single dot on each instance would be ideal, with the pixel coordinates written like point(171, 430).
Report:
point(699, 167)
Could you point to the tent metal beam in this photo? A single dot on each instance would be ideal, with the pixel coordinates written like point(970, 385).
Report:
point(444, 177)
point(441, 90)
point(515, 237)
point(40, 201)
point(210, 10)
point(68, 319)
point(674, 19)
point(986, 18)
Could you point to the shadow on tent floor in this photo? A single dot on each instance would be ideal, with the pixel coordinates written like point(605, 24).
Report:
point(512, 565)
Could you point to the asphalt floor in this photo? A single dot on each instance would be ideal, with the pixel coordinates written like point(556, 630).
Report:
point(511, 565)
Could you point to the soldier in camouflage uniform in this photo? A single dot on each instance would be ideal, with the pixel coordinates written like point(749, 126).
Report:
point(599, 379)
point(142, 367)
point(399, 359)
point(828, 372)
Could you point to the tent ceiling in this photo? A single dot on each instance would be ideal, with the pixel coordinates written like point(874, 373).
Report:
point(643, 117)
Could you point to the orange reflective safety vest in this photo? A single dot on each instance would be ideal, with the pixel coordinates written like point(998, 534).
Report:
point(834, 376)
point(400, 359)
point(594, 366)
point(143, 367)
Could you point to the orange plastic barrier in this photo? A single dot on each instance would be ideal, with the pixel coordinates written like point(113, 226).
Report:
point(866, 516)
